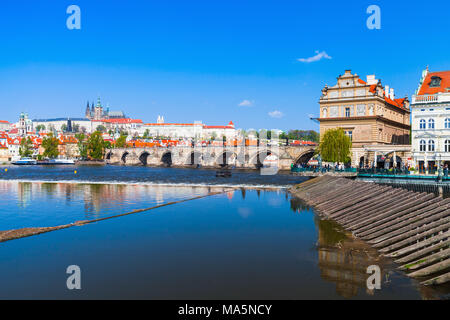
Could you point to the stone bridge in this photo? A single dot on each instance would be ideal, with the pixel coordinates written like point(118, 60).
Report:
point(252, 157)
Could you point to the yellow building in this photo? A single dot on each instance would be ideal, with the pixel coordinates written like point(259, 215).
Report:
point(369, 114)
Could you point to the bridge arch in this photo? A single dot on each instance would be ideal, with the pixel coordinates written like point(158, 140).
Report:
point(226, 158)
point(143, 158)
point(166, 159)
point(109, 154)
point(258, 159)
point(194, 159)
point(124, 157)
point(305, 156)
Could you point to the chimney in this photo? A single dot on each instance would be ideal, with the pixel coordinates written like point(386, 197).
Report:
point(371, 79)
point(386, 91)
point(391, 94)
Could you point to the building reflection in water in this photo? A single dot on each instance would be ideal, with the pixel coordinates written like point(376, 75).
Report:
point(99, 199)
point(342, 259)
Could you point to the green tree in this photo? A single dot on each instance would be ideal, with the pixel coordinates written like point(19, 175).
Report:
point(107, 145)
point(40, 128)
point(146, 134)
point(121, 142)
point(309, 135)
point(101, 128)
point(64, 128)
point(95, 146)
point(50, 145)
point(335, 146)
point(26, 147)
point(82, 145)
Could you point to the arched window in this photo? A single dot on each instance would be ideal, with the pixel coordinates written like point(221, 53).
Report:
point(423, 145)
point(447, 123)
point(430, 145)
point(422, 124)
point(431, 124)
point(447, 145)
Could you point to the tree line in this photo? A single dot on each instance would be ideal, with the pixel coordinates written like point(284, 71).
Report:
point(89, 147)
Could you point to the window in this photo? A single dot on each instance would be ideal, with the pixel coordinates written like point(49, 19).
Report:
point(430, 145)
point(422, 124)
point(435, 81)
point(447, 123)
point(349, 134)
point(347, 112)
point(447, 145)
point(431, 124)
point(423, 145)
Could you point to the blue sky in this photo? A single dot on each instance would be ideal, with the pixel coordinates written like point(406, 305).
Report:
point(199, 60)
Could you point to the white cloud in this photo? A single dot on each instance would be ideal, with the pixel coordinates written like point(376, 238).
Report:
point(276, 114)
point(317, 57)
point(246, 103)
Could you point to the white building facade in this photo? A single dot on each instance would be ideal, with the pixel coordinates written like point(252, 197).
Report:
point(430, 112)
point(196, 130)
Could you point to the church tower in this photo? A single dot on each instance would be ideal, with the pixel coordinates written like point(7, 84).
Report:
point(98, 111)
point(88, 111)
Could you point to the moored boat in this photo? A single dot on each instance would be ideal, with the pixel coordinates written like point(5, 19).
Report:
point(56, 162)
point(25, 162)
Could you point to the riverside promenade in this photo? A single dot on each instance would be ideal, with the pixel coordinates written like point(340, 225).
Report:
point(412, 228)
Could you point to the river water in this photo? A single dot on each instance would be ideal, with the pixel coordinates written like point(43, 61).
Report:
point(250, 241)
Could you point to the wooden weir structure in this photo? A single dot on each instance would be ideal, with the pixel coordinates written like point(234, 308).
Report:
point(412, 228)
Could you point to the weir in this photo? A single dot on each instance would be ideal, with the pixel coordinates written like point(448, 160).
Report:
point(412, 228)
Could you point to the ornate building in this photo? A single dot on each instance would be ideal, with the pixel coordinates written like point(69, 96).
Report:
point(369, 114)
point(98, 112)
point(431, 120)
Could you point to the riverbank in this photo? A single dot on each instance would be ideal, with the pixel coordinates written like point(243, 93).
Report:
point(410, 227)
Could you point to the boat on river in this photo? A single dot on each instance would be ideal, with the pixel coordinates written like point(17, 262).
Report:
point(50, 162)
point(224, 173)
point(56, 162)
point(25, 162)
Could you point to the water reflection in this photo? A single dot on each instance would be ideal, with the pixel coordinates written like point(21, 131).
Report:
point(46, 204)
point(342, 259)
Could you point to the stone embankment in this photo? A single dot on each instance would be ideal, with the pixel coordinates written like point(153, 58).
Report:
point(409, 227)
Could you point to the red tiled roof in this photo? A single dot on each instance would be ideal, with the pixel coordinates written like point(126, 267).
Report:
point(4, 121)
point(171, 124)
point(122, 121)
point(361, 81)
point(218, 127)
point(396, 102)
point(445, 83)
